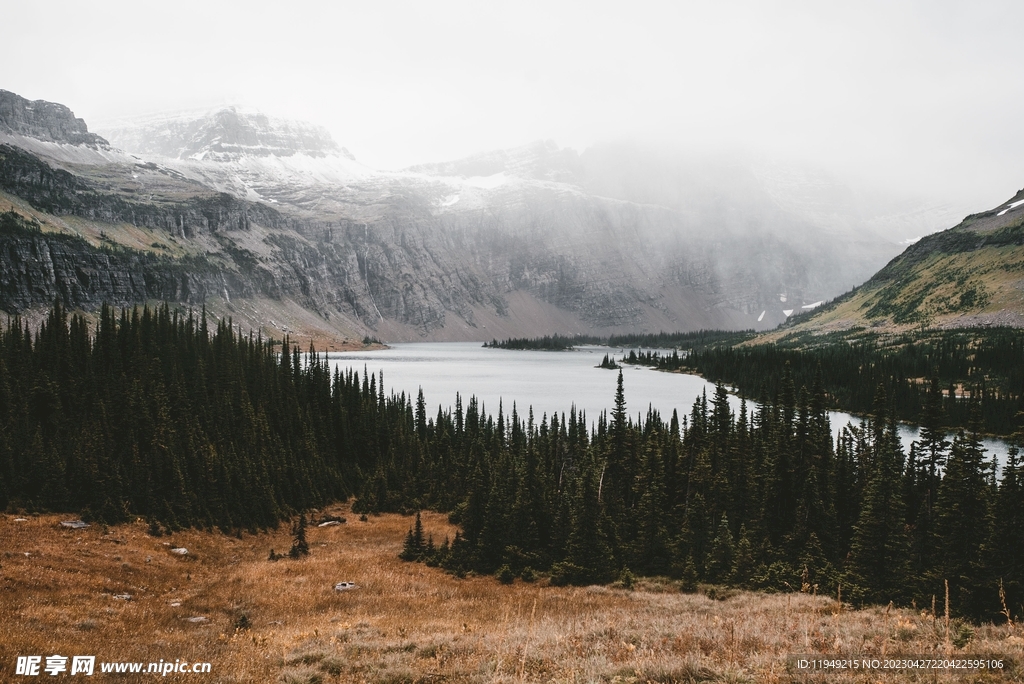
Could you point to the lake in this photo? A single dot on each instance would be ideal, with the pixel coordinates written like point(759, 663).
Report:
point(550, 382)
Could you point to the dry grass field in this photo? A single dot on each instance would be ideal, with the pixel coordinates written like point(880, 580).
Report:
point(283, 622)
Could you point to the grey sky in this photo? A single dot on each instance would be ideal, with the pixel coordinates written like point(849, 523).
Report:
point(916, 94)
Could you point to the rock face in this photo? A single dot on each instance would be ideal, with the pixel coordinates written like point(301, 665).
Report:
point(37, 268)
point(43, 120)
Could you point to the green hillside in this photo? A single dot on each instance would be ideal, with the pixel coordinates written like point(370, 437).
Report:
point(970, 275)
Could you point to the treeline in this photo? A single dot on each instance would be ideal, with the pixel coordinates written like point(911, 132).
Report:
point(699, 339)
point(546, 343)
point(690, 341)
point(155, 415)
point(983, 364)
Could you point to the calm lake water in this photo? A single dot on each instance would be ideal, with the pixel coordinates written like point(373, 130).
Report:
point(550, 382)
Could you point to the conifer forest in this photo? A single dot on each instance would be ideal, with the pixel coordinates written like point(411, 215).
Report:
point(981, 363)
point(155, 414)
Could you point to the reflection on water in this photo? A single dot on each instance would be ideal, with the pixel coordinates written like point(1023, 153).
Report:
point(549, 382)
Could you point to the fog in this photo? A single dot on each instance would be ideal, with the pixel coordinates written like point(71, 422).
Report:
point(914, 97)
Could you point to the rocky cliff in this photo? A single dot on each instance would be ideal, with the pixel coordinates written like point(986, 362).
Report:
point(36, 268)
point(48, 121)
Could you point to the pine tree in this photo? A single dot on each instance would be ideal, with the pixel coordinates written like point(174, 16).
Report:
point(694, 542)
point(1005, 548)
point(962, 526)
point(879, 553)
point(417, 534)
point(924, 476)
point(722, 557)
point(415, 548)
point(588, 553)
point(933, 433)
point(299, 545)
point(650, 547)
point(617, 480)
point(744, 560)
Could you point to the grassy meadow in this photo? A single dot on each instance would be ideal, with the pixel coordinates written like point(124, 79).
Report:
point(63, 592)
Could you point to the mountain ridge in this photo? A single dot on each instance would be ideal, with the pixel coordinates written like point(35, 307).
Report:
point(48, 121)
point(468, 249)
point(966, 276)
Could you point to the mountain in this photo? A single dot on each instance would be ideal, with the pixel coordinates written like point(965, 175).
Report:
point(43, 120)
point(228, 134)
point(295, 235)
point(969, 275)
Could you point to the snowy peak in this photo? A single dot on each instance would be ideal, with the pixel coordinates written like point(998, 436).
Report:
point(42, 120)
point(225, 135)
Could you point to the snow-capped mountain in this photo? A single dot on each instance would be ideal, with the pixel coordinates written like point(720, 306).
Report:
point(529, 240)
point(246, 153)
point(223, 135)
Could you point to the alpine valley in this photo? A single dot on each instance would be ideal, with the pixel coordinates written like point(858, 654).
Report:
point(273, 223)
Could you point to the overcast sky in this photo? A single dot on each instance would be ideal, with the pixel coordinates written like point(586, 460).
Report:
point(916, 94)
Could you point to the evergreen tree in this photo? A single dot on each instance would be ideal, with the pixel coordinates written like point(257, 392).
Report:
point(962, 525)
point(650, 548)
point(615, 485)
point(722, 557)
point(300, 547)
point(588, 555)
point(414, 547)
point(744, 560)
point(1005, 548)
point(879, 553)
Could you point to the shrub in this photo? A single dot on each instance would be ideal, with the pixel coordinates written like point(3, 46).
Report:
point(567, 573)
point(505, 575)
point(301, 677)
point(332, 666)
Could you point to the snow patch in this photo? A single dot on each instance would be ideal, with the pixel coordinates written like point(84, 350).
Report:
point(448, 201)
point(788, 312)
point(302, 168)
point(66, 152)
point(782, 298)
point(909, 241)
point(1013, 205)
point(811, 306)
point(761, 317)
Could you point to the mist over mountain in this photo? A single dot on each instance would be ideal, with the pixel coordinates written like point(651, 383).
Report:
point(297, 236)
point(969, 275)
point(227, 134)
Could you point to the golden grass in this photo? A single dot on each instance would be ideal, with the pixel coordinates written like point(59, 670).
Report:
point(408, 622)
